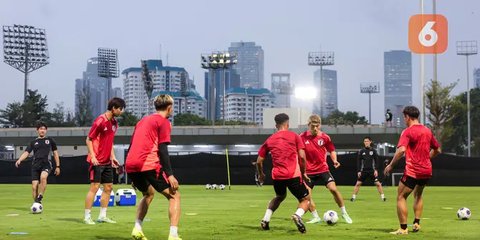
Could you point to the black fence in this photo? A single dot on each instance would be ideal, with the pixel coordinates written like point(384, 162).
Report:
point(206, 168)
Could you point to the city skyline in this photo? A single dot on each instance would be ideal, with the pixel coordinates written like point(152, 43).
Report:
point(358, 31)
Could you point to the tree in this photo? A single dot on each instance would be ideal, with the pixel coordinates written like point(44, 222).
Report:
point(26, 114)
point(84, 115)
point(349, 118)
point(442, 109)
point(59, 117)
point(12, 115)
point(127, 119)
point(188, 119)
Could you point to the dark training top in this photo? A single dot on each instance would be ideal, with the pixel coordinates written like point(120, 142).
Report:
point(41, 148)
point(367, 160)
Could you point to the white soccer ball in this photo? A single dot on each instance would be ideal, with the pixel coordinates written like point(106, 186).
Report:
point(208, 186)
point(36, 208)
point(464, 213)
point(330, 217)
point(221, 187)
point(214, 186)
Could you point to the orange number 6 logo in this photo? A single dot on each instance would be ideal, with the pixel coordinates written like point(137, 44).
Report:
point(428, 33)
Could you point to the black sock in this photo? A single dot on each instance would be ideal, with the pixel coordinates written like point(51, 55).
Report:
point(403, 226)
point(416, 221)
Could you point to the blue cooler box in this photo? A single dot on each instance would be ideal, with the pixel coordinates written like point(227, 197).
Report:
point(98, 195)
point(126, 197)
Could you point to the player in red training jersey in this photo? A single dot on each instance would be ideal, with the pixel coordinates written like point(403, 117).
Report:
point(419, 146)
point(102, 159)
point(148, 165)
point(286, 148)
point(317, 144)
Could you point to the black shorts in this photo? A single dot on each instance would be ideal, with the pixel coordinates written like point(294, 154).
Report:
point(37, 169)
point(321, 178)
point(295, 185)
point(411, 182)
point(142, 180)
point(101, 174)
point(365, 175)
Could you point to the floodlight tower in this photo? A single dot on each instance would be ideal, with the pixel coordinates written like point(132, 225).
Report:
point(321, 59)
point(370, 87)
point(467, 48)
point(108, 67)
point(213, 61)
point(25, 48)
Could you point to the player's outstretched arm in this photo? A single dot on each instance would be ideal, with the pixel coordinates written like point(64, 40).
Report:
point(396, 157)
point(21, 158)
point(333, 156)
point(57, 162)
point(435, 152)
point(261, 174)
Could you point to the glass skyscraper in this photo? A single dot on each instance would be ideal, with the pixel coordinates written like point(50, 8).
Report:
point(327, 99)
point(250, 63)
point(398, 83)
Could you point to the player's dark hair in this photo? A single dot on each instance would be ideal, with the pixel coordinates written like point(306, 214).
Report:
point(281, 118)
point(367, 137)
point(411, 111)
point(41, 124)
point(116, 103)
point(162, 101)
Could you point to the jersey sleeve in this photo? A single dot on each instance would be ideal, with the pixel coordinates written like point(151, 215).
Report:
point(262, 152)
point(53, 144)
point(434, 143)
point(95, 129)
point(329, 144)
point(29, 147)
point(299, 142)
point(164, 131)
point(404, 139)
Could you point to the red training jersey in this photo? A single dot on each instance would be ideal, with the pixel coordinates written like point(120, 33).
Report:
point(102, 133)
point(283, 146)
point(149, 133)
point(316, 148)
point(418, 140)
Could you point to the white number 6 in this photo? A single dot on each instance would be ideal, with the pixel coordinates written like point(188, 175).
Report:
point(427, 30)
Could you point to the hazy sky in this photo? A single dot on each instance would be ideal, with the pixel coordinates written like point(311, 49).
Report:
point(359, 31)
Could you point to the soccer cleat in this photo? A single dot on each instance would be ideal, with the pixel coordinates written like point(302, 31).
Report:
point(299, 223)
point(138, 234)
point(88, 221)
point(315, 220)
point(264, 225)
point(384, 199)
point(39, 198)
point(400, 232)
point(352, 199)
point(173, 238)
point(416, 227)
point(347, 218)
point(105, 220)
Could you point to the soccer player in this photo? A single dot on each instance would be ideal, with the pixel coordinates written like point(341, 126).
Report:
point(317, 144)
point(419, 146)
point(148, 165)
point(102, 159)
point(42, 146)
point(367, 161)
point(285, 148)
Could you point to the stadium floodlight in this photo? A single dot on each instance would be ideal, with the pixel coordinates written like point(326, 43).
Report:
point(213, 61)
point(370, 87)
point(108, 66)
point(467, 48)
point(305, 93)
point(321, 59)
point(25, 48)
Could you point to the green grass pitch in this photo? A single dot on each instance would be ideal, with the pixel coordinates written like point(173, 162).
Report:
point(236, 214)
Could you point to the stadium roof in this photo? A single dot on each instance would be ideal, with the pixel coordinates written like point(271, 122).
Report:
point(153, 64)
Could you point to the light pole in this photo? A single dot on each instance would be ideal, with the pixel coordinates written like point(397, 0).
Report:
point(108, 67)
point(321, 59)
point(213, 61)
point(467, 48)
point(25, 48)
point(370, 87)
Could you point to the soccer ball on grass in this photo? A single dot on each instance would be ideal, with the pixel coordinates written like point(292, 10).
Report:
point(464, 213)
point(36, 208)
point(330, 217)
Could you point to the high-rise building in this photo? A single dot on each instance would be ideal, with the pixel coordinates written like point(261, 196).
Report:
point(476, 77)
point(117, 92)
point(281, 89)
point(165, 78)
point(232, 80)
point(189, 103)
point(94, 87)
point(327, 98)
point(398, 83)
point(250, 63)
point(247, 104)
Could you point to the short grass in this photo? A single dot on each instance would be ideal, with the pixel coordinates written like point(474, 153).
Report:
point(235, 214)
